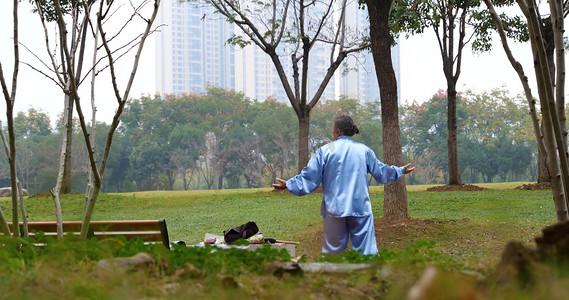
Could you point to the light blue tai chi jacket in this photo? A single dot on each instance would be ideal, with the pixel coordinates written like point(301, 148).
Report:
point(342, 167)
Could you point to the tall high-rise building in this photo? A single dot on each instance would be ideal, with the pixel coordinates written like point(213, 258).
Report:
point(358, 78)
point(260, 80)
point(255, 74)
point(192, 52)
point(190, 49)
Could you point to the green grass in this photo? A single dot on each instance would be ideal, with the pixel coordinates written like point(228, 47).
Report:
point(191, 214)
point(474, 225)
point(468, 231)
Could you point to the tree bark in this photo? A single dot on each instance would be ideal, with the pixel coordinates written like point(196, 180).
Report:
point(3, 222)
point(558, 82)
point(395, 194)
point(25, 231)
point(12, 160)
point(220, 182)
point(89, 186)
point(66, 179)
point(557, 15)
point(452, 140)
point(542, 170)
point(303, 132)
point(56, 191)
point(185, 179)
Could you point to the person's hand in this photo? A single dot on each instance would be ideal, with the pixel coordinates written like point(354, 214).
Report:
point(281, 185)
point(408, 169)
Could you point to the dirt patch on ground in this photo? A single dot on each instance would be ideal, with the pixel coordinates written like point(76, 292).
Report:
point(535, 186)
point(391, 234)
point(310, 242)
point(456, 187)
point(394, 233)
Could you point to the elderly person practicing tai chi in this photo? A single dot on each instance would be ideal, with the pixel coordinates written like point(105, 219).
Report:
point(342, 167)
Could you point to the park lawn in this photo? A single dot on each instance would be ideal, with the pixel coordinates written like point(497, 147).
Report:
point(472, 226)
point(467, 231)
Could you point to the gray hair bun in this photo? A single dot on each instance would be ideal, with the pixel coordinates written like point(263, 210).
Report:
point(346, 125)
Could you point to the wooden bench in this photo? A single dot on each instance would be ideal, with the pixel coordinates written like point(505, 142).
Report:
point(147, 230)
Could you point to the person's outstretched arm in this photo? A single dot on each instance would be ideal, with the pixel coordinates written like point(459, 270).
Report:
point(408, 169)
point(384, 173)
point(281, 185)
point(307, 181)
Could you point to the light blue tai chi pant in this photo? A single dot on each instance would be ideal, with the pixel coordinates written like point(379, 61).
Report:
point(360, 230)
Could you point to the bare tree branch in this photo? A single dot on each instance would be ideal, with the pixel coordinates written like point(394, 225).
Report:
point(44, 74)
point(304, 31)
point(98, 172)
point(462, 34)
point(53, 61)
point(135, 42)
point(339, 32)
point(39, 59)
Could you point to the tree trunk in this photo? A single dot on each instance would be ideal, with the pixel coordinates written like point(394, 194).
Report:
point(303, 132)
point(185, 179)
point(171, 179)
point(3, 222)
point(247, 180)
point(158, 185)
point(64, 151)
point(260, 177)
point(12, 161)
point(451, 69)
point(452, 143)
point(542, 171)
point(545, 88)
point(557, 81)
point(395, 195)
point(66, 180)
point(553, 164)
point(549, 44)
point(220, 182)
point(557, 15)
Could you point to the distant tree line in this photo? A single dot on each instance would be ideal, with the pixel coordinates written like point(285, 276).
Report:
point(495, 138)
point(222, 139)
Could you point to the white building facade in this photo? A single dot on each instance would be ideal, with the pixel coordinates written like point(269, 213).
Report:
point(190, 50)
point(358, 78)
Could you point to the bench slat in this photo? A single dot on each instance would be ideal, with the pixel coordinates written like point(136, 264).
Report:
point(75, 226)
point(147, 230)
point(155, 236)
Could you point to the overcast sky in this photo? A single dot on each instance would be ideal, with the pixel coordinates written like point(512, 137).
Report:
point(421, 70)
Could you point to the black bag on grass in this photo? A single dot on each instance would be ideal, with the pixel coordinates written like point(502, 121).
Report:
point(241, 232)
